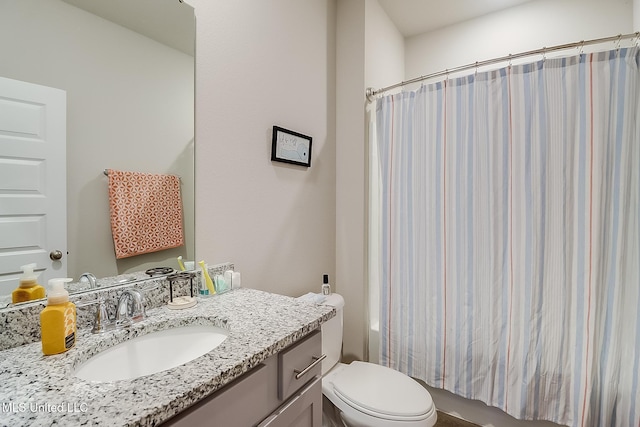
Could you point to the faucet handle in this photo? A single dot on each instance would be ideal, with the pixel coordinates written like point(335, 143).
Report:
point(102, 321)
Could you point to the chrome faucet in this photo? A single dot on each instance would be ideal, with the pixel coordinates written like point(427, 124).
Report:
point(90, 278)
point(130, 308)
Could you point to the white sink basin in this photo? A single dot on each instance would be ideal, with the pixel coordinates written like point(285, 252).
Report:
point(151, 353)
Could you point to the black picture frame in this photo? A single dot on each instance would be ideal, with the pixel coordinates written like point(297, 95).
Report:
point(290, 147)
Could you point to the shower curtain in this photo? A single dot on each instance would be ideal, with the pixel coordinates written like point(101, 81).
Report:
point(510, 237)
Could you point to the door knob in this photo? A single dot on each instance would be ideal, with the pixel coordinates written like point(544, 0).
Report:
point(55, 255)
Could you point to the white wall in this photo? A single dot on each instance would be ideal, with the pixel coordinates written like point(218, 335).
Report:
point(350, 174)
point(384, 64)
point(112, 121)
point(636, 15)
point(370, 51)
point(259, 64)
point(529, 26)
point(384, 48)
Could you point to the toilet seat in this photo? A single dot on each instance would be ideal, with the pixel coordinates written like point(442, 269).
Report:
point(382, 392)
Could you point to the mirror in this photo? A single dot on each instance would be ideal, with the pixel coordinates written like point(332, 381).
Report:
point(128, 71)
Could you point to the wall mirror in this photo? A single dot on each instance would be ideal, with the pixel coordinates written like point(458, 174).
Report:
point(128, 71)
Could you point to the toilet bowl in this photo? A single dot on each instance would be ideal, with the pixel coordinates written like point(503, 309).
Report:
point(363, 394)
point(370, 395)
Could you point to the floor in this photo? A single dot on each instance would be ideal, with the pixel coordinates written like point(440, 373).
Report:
point(445, 420)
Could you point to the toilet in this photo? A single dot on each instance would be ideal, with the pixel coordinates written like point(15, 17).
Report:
point(364, 394)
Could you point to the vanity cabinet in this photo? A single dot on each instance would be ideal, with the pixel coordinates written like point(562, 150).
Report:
point(283, 391)
point(302, 410)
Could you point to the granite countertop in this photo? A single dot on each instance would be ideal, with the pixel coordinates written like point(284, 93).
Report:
point(41, 390)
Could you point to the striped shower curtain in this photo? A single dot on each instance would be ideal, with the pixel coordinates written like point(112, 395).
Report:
point(510, 237)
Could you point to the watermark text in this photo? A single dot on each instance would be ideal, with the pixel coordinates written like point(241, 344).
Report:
point(20, 407)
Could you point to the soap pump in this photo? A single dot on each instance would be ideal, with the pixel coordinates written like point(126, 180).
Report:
point(326, 288)
point(29, 289)
point(58, 319)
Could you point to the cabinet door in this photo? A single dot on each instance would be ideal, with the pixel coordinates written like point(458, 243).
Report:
point(240, 404)
point(304, 409)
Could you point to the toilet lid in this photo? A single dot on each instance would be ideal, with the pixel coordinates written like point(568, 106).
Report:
point(382, 391)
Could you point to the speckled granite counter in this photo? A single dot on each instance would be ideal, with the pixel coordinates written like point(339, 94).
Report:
point(41, 390)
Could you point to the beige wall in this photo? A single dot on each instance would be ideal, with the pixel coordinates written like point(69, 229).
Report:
point(259, 64)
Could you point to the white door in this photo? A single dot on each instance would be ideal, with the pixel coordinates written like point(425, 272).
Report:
point(33, 207)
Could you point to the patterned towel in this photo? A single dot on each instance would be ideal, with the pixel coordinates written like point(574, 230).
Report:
point(146, 212)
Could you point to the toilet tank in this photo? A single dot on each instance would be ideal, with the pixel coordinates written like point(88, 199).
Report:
point(332, 333)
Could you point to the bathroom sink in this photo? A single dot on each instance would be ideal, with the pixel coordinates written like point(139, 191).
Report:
point(151, 353)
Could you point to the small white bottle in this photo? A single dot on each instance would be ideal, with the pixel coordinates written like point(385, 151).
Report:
point(326, 288)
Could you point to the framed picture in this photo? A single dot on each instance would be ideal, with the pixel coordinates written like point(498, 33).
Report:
point(290, 147)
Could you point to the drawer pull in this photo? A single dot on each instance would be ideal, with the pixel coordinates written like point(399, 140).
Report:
point(316, 360)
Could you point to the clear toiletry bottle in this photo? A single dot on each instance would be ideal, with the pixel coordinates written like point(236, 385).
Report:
point(326, 288)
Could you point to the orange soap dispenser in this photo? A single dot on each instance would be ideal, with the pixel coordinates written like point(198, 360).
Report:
point(29, 289)
point(58, 319)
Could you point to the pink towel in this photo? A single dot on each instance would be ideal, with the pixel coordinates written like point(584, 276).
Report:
point(146, 212)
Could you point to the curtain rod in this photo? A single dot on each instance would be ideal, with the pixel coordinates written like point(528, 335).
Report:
point(371, 93)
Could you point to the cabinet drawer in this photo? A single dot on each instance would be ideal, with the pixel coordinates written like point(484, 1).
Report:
point(298, 364)
point(302, 410)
